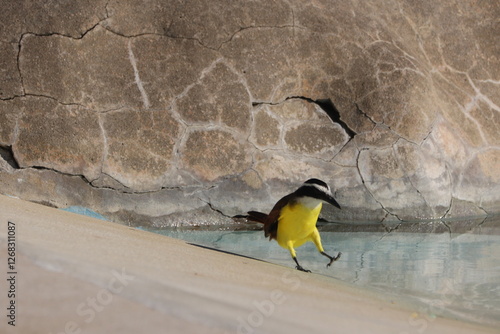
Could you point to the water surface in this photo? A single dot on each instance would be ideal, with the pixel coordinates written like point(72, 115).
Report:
point(449, 269)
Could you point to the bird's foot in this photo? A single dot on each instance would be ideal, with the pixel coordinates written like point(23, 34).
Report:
point(298, 267)
point(332, 258)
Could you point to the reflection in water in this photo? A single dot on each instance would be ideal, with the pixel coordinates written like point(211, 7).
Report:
point(454, 272)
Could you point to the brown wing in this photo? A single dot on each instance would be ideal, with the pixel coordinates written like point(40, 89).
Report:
point(271, 222)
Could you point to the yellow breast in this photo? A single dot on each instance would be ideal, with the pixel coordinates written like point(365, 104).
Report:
point(296, 223)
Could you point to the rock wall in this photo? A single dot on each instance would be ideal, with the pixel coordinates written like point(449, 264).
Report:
point(172, 112)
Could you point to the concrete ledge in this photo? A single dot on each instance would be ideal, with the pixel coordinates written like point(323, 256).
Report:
point(82, 275)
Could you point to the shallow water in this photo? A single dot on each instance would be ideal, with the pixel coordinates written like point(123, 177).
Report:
point(453, 273)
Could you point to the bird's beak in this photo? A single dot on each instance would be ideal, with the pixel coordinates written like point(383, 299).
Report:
point(332, 201)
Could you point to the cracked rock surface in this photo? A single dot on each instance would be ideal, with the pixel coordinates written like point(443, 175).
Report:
point(182, 112)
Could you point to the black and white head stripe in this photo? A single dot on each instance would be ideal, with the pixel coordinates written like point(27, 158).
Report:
point(314, 188)
point(321, 185)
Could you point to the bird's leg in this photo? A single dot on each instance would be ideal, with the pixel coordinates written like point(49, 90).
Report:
point(317, 241)
point(332, 258)
point(299, 267)
point(289, 245)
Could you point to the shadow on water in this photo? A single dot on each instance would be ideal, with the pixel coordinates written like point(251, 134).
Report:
point(442, 268)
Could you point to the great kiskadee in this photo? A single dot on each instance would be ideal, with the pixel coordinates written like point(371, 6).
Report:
point(292, 221)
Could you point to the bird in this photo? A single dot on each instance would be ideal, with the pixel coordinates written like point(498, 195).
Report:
point(292, 221)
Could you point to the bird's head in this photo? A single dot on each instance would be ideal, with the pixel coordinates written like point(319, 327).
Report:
point(317, 189)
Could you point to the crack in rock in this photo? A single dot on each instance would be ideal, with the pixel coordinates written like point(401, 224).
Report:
point(43, 168)
point(334, 114)
point(371, 194)
point(358, 109)
point(92, 185)
point(7, 154)
point(213, 208)
point(48, 34)
point(326, 105)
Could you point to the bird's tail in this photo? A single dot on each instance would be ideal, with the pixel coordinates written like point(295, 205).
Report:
point(256, 216)
point(259, 217)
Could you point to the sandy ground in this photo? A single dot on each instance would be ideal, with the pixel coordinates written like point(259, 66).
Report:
point(76, 274)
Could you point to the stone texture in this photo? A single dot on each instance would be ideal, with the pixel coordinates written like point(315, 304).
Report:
point(152, 16)
point(488, 120)
point(299, 127)
point(267, 129)
point(49, 17)
point(386, 181)
point(219, 97)
point(65, 138)
point(140, 148)
point(94, 71)
point(166, 67)
point(380, 136)
point(10, 111)
point(211, 24)
point(173, 112)
point(407, 173)
point(10, 80)
point(310, 138)
point(212, 154)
